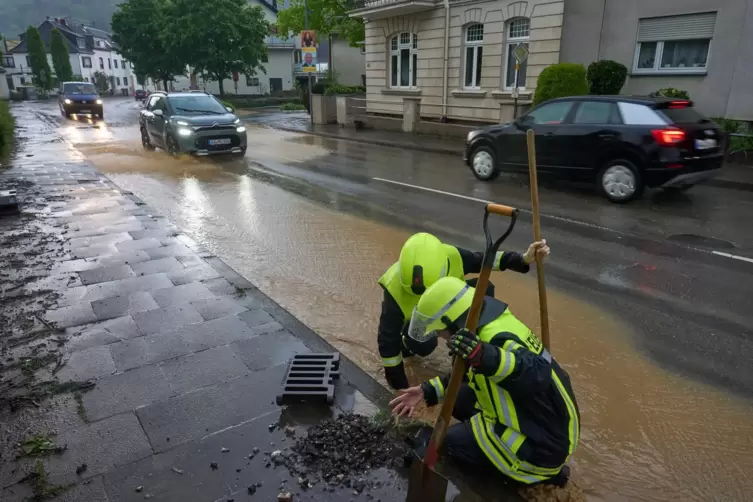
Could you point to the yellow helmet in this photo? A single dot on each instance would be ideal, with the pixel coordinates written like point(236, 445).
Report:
point(423, 260)
point(443, 303)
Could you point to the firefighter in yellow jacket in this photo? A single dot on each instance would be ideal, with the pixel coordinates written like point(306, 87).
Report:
point(423, 260)
point(517, 410)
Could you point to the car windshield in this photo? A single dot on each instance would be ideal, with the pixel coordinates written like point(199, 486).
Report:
point(197, 105)
point(79, 89)
point(685, 115)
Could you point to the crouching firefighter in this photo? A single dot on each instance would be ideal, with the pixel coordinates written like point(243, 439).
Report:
point(423, 260)
point(517, 411)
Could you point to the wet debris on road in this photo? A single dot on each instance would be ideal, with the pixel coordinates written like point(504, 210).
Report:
point(39, 445)
point(341, 451)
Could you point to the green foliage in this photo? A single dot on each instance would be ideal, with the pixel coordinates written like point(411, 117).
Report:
point(258, 102)
point(672, 92)
point(228, 104)
point(606, 77)
point(40, 445)
point(217, 38)
point(137, 26)
point(325, 17)
point(7, 129)
point(337, 89)
point(40, 68)
point(61, 60)
point(292, 107)
point(101, 81)
point(742, 144)
point(559, 81)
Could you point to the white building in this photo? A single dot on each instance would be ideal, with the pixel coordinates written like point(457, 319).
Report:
point(91, 50)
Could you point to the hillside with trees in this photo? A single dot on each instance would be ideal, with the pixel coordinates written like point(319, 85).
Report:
point(17, 15)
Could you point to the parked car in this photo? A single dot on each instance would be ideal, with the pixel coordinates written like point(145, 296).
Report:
point(193, 123)
point(140, 95)
point(80, 98)
point(622, 143)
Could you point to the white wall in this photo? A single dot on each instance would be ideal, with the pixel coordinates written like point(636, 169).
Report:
point(348, 62)
point(280, 65)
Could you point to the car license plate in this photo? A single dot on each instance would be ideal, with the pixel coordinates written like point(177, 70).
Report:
point(705, 144)
point(221, 141)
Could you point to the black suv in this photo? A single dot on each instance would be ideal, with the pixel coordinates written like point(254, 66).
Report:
point(191, 122)
point(622, 143)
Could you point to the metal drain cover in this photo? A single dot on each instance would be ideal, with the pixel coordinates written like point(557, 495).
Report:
point(701, 241)
point(311, 376)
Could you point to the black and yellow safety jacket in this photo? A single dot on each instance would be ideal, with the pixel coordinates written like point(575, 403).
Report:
point(528, 422)
point(398, 304)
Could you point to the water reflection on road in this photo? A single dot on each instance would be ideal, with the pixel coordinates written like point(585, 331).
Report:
point(647, 435)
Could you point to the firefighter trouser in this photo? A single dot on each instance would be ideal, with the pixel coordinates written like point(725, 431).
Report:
point(422, 349)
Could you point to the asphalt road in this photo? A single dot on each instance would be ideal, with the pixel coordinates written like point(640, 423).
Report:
point(675, 268)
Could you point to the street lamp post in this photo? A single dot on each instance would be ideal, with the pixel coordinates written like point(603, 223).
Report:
point(306, 10)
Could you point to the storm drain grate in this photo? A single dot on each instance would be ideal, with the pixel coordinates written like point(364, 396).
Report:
point(311, 376)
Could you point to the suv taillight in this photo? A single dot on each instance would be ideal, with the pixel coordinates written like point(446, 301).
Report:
point(668, 137)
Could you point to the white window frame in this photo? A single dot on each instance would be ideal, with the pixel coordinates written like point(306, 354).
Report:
point(81, 43)
point(475, 45)
point(84, 59)
point(514, 41)
point(658, 70)
point(394, 50)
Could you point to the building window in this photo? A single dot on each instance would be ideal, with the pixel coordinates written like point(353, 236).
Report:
point(101, 64)
point(115, 62)
point(109, 63)
point(98, 43)
point(86, 62)
point(674, 44)
point(123, 64)
point(117, 80)
point(81, 43)
point(518, 34)
point(363, 48)
point(474, 47)
point(252, 81)
point(9, 62)
point(363, 80)
point(86, 79)
point(403, 60)
point(125, 80)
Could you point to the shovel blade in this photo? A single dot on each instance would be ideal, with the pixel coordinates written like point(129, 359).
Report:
point(425, 484)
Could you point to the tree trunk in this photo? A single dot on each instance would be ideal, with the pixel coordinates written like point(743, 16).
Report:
point(164, 83)
point(222, 87)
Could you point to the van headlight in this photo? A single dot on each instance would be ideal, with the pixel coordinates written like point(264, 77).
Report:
point(99, 101)
point(241, 128)
point(183, 131)
point(67, 101)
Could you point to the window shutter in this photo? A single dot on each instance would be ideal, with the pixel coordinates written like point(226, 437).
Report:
point(677, 27)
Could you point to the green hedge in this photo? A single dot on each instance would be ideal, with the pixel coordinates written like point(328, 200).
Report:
point(7, 129)
point(743, 144)
point(254, 102)
point(606, 77)
point(337, 89)
point(672, 92)
point(559, 81)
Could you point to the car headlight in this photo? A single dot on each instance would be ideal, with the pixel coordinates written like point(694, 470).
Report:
point(99, 101)
point(67, 101)
point(241, 128)
point(237, 121)
point(183, 131)
point(181, 122)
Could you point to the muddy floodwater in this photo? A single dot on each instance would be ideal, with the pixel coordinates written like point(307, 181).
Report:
point(647, 434)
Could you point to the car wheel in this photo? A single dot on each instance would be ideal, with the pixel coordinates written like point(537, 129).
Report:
point(172, 146)
point(484, 163)
point(145, 140)
point(620, 181)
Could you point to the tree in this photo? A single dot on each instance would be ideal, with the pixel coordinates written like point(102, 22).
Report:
point(40, 68)
point(561, 80)
point(137, 26)
point(325, 17)
point(2, 45)
point(218, 38)
point(606, 77)
point(61, 60)
point(101, 81)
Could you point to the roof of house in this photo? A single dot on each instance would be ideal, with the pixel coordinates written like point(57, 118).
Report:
point(71, 32)
point(11, 44)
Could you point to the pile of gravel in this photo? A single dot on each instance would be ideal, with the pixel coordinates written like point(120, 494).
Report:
point(338, 451)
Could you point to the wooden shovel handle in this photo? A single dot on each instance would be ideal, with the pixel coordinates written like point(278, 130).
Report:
point(500, 209)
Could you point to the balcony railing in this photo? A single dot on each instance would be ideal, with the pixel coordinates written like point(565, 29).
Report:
point(279, 42)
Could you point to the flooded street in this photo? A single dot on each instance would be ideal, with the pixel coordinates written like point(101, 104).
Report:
point(665, 398)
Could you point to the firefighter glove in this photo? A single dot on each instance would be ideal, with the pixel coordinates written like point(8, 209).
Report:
point(467, 345)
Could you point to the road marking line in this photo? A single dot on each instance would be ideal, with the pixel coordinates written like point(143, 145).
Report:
point(483, 201)
point(466, 197)
point(733, 256)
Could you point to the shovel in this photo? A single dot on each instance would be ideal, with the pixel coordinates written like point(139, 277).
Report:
point(425, 484)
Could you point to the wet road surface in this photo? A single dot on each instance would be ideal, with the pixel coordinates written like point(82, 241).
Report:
point(654, 332)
